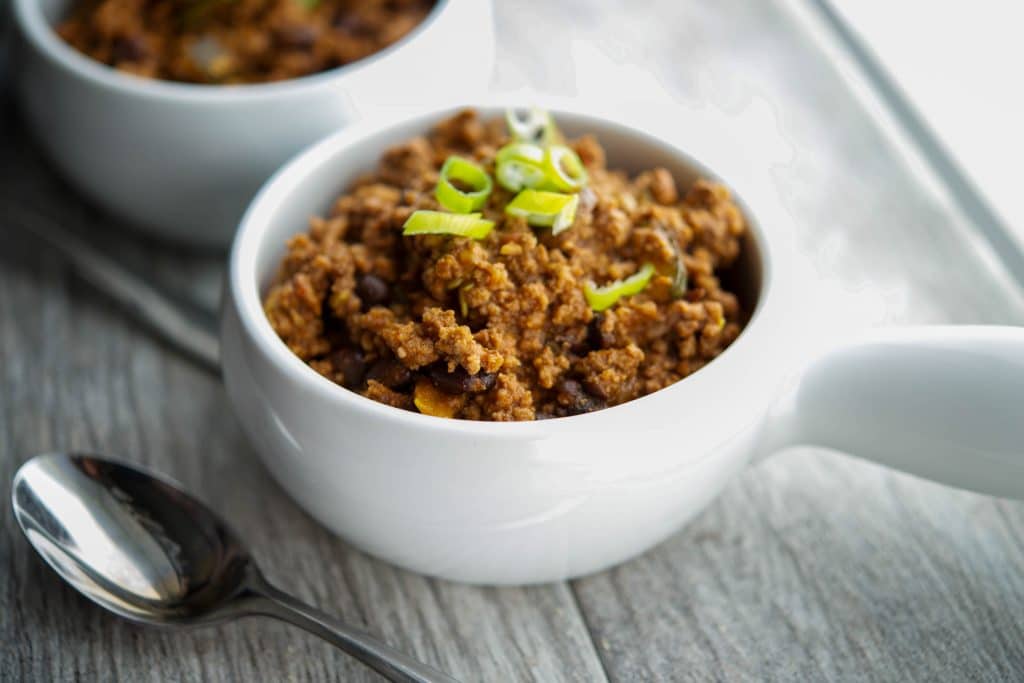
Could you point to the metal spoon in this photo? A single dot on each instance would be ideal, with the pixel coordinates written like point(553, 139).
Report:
point(136, 544)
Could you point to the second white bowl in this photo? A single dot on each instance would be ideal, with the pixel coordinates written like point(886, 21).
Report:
point(183, 160)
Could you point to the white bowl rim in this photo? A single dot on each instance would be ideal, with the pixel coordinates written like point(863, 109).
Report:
point(33, 25)
point(243, 288)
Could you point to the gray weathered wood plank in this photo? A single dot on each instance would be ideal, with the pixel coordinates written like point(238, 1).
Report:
point(819, 567)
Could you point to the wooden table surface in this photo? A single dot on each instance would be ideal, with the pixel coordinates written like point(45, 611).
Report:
point(811, 566)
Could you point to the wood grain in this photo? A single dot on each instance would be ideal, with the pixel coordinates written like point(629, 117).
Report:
point(813, 566)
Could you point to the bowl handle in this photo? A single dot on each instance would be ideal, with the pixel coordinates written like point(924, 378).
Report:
point(944, 403)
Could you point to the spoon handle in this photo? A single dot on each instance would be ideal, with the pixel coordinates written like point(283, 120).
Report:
point(378, 655)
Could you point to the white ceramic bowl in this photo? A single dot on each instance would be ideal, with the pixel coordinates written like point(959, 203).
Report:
point(183, 160)
point(514, 503)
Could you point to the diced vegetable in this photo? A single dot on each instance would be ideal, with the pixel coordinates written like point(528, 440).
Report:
point(545, 209)
point(601, 298)
point(430, 400)
point(440, 223)
point(469, 174)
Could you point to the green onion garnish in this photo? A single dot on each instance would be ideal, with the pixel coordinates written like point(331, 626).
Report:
point(515, 175)
point(536, 159)
point(558, 168)
point(518, 165)
point(441, 223)
point(533, 125)
point(563, 169)
point(545, 209)
point(601, 298)
point(469, 174)
point(521, 151)
point(680, 277)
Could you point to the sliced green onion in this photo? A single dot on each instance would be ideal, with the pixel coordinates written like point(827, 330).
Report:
point(564, 169)
point(515, 175)
point(468, 173)
point(518, 165)
point(567, 216)
point(440, 223)
point(463, 304)
point(601, 298)
point(680, 277)
point(535, 125)
point(521, 151)
point(545, 209)
point(536, 163)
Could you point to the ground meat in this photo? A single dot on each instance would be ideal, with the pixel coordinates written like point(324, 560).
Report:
point(241, 41)
point(380, 393)
point(610, 374)
point(499, 329)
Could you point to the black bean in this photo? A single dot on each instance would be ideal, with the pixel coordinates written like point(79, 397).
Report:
point(595, 388)
point(572, 340)
point(295, 37)
point(596, 337)
point(574, 399)
point(459, 381)
point(568, 386)
point(586, 404)
point(481, 381)
point(351, 364)
point(390, 373)
point(352, 24)
point(372, 290)
point(129, 49)
point(335, 329)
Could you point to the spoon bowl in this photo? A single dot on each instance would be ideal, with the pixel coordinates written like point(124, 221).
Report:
point(142, 549)
point(135, 543)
